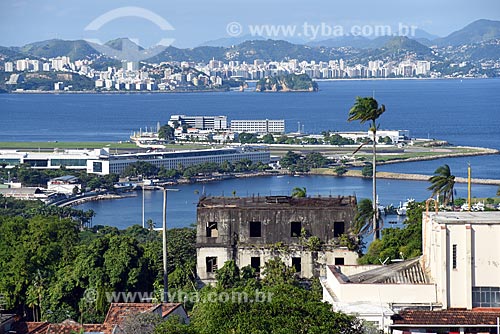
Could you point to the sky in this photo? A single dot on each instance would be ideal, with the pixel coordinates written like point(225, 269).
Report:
point(189, 23)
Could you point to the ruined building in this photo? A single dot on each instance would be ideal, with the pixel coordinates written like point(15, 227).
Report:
point(252, 230)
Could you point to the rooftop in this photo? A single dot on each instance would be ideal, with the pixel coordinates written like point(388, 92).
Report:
point(116, 314)
point(455, 317)
point(404, 272)
point(277, 201)
point(465, 217)
point(119, 311)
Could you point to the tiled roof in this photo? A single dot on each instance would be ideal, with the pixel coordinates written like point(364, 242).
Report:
point(66, 327)
point(119, 311)
point(116, 314)
point(447, 317)
point(30, 327)
point(405, 272)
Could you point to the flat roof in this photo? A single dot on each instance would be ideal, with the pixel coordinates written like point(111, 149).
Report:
point(326, 202)
point(466, 217)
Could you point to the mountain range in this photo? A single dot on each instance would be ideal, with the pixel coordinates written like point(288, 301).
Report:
point(241, 49)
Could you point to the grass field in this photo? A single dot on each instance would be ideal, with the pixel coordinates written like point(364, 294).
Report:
point(88, 145)
point(64, 145)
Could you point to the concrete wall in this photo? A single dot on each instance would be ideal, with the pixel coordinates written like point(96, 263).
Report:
point(476, 236)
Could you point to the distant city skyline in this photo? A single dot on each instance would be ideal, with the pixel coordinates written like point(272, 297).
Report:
point(195, 22)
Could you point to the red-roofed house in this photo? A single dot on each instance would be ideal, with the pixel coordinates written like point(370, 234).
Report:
point(116, 314)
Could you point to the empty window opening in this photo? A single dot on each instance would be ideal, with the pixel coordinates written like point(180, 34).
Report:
point(255, 264)
point(255, 229)
point(338, 229)
point(295, 229)
point(454, 257)
point(339, 261)
point(211, 264)
point(212, 231)
point(297, 264)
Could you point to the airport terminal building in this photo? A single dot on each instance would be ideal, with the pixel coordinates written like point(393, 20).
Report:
point(115, 164)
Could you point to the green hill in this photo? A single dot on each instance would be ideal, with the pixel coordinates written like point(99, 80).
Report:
point(78, 49)
point(477, 31)
point(287, 83)
point(398, 48)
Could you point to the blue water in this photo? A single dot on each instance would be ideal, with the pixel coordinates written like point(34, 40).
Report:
point(463, 112)
point(182, 205)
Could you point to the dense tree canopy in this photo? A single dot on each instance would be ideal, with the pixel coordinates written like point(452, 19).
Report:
point(397, 243)
point(47, 263)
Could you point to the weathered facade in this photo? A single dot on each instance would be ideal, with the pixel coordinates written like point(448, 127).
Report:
point(252, 230)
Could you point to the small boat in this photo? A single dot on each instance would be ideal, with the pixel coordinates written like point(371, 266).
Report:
point(403, 207)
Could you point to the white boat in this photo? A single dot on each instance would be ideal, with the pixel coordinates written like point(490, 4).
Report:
point(478, 207)
point(403, 207)
point(475, 207)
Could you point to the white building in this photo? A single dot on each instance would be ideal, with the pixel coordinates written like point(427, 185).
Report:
point(172, 160)
point(64, 184)
point(71, 159)
point(9, 66)
point(258, 126)
point(58, 85)
point(199, 122)
point(462, 253)
point(22, 64)
point(459, 269)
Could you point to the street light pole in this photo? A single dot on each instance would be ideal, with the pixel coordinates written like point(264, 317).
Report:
point(143, 223)
point(165, 253)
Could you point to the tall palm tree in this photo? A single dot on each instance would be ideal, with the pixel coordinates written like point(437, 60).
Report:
point(299, 192)
point(367, 109)
point(362, 220)
point(443, 182)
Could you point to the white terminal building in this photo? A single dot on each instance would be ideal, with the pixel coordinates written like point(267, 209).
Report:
point(170, 160)
point(396, 136)
point(199, 122)
point(71, 159)
point(100, 161)
point(258, 126)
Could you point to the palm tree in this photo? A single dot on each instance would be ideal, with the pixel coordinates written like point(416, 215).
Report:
point(366, 109)
point(363, 219)
point(299, 192)
point(443, 182)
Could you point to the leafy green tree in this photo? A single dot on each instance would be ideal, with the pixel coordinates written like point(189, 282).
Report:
point(299, 192)
point(174, 325)
point(443, 183)
point(367, 109)
point(340, 170)
point(276, 309)
point(228, 276)
point(268, 139)
point(367, 170)
point(143, 168)
point(140, 323)
point(277, 272)
point(316, 160)
point(166, 132)
point(289, 159)
point(247, 138)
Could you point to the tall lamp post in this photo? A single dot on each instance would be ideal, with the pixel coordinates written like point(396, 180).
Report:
point(164, 234)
